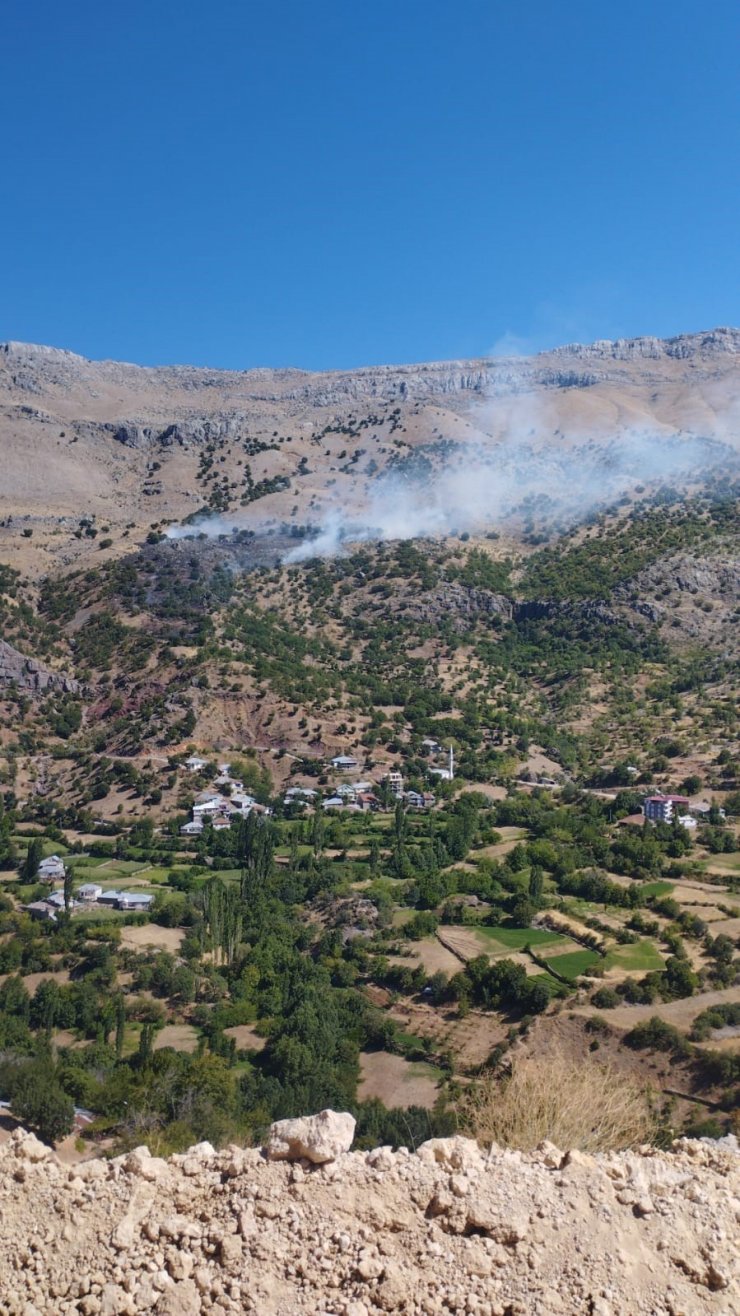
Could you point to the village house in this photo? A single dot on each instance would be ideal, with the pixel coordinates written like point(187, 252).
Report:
point(134, 900)
point(334, 802)
point(703, 810)
point(42, 910)
point(195, 763)
point(51, 869)
point(420, 799)
point(192, 828)
point(242, 801)
point(299, 795)
point(395, 782)
point(660, 808)
point(90, 892)
point(343, 763)
point(57, 901)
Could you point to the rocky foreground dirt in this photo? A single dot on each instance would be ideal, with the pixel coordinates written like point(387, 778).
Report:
point(447, 1229)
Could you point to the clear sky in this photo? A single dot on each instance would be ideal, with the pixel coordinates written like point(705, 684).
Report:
point(328, 183)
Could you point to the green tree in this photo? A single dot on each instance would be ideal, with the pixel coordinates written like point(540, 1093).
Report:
point(34, 855)
point(120, 1024)
point(40, 1102)
point(536, 885)
point(523, 911)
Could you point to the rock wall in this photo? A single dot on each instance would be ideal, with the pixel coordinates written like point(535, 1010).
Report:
point(448, 1229)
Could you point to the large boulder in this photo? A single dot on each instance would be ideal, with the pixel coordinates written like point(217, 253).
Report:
point(318, 1138)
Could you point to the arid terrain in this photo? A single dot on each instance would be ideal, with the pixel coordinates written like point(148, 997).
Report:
point(122, 448)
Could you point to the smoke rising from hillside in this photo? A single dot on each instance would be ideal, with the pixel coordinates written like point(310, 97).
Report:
point(480, 489)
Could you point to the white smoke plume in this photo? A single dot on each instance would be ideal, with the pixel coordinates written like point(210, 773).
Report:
point(479, 489)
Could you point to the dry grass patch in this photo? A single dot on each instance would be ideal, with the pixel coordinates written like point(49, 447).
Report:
point(395, 1081)
point(590, 1107)
point(183, 1037)
point(151, 934)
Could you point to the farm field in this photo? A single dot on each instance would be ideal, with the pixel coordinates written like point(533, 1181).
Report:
point(574, 963)
point(151, 934)
point(680, 1014)
point(397, 1082)
point(183, 1037)
point(638, 957)
point(433, 956)
point(517, 938)
point(724, 864)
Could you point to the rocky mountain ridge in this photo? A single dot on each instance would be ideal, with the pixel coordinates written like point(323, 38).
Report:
point(32, 368)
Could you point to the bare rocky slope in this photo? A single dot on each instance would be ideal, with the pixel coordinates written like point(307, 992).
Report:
point(125, 447)
point(449, 1229)
point(28, 674)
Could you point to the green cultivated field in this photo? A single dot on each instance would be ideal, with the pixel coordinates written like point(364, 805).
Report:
point(575, 963)
point(642, 956)
point(518, 938)
point(656, 888)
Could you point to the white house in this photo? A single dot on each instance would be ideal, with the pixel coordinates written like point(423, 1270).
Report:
point(195, 763)
point(192, 828)
point(134, 900)
point(300, 793)
point(395, 781)
point(242, 801)
point(334, 802)
point(213, 804)
point(687, 821)
point(90, 891)
point(344, 763)
point(51, 869)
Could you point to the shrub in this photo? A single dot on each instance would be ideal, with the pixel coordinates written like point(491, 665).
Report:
point(590, 1106)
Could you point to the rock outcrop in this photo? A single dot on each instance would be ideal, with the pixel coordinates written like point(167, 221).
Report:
point(450, 1229)
point(315, 1138)
point(28, 674)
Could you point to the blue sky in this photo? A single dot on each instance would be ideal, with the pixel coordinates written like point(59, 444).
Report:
point(332, 184)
